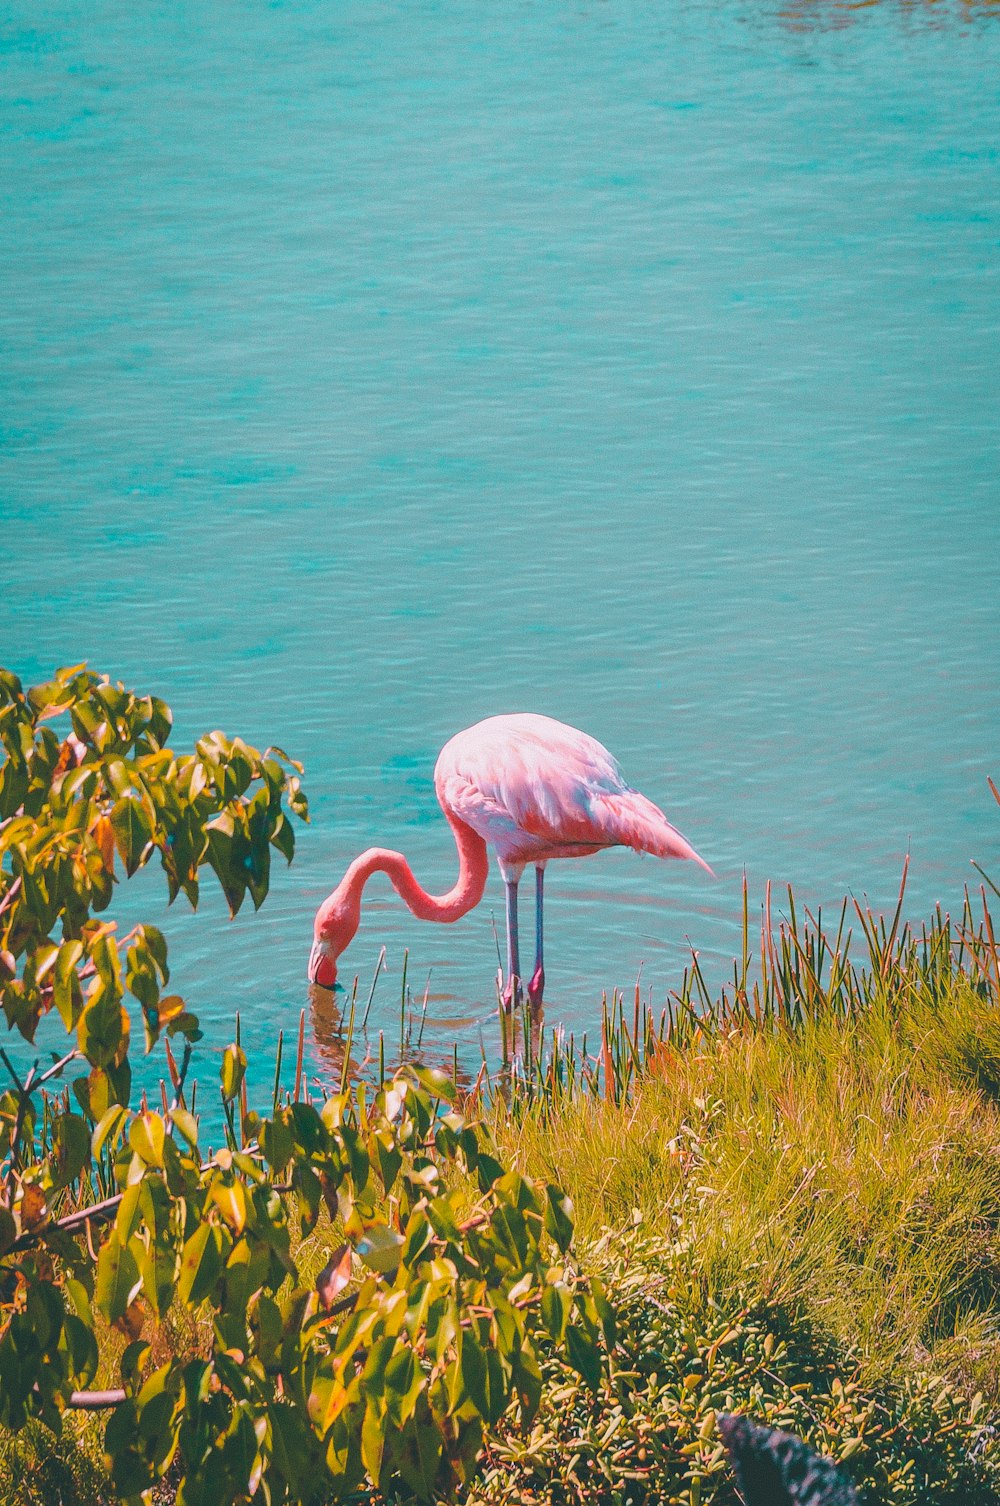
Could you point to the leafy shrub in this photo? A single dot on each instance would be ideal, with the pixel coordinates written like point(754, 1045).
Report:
point(682, 1357)
point(422, 1328)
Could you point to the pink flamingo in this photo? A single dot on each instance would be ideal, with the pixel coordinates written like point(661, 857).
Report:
point(532, 788)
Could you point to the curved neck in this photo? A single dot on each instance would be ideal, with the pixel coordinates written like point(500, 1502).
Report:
point(341, 911)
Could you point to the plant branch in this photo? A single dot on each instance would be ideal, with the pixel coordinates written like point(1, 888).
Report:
point(24, 1091)
point(99, 1401)
point(11, 894)
point(178, 1098)
point(96, 1401)
point(55, 1069)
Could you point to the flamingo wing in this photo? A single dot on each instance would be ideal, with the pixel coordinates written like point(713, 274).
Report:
point(538, 788)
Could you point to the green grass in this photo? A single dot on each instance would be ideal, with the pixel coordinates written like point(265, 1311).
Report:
point(649, 1434)
point(814, 1155)
point(37, 1469)
point(851, 1166)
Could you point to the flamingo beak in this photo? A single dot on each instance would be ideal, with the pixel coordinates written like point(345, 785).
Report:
point(322, 966)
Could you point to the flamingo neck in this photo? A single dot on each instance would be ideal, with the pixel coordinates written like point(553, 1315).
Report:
point(339, 915)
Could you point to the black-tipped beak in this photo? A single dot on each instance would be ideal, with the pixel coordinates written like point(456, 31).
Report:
point(322, 967)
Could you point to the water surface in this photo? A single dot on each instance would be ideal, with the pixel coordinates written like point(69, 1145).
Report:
point(367, 371)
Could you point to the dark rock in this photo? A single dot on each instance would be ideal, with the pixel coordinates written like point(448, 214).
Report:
point(778, 1469)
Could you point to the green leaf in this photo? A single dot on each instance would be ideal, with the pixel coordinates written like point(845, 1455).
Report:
point(404, 1381)
point(226, 851)
point(120, 782)
point(97, 1092)
point(201, 1263)
point(437, 1083)
point(43, 961)
point(389, 1159)
point(67, 994)
point(108, 1128)
point(157, 944)
point(70, 1148)
point(527, 1378)
point(157, 1265)
point(306, 1185)
point(518, 1192)
point(380, 1248)
point(496, 1385)
point(442, 1216)
point(373, 1441)
point(258, 866)
point(309, 1128)
point(140, 977)
point(161, 719)
point(357, 1157)
point(420, 1460)
point(294, 1452)
point(132, 830)
point(559, 1216)
point(118, 1281)
point(12, 690)
point(584, 1356)
point(132, 1363)
point(100, 1028)
point(470, 1379)
point(419, 1235)
point(283, 837)
point(129, 1212)
point(488, 1171)
point(556, 1304)
point(231, 1200)
point(604, 1310)
point(187, 1124)
point(81, 1347)
point(146, 1136)
point(234, 1066)
point(276, 1140)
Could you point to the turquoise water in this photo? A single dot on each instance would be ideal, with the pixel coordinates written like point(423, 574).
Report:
point(365, 371)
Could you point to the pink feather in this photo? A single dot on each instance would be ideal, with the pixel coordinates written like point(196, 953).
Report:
point(534, 789)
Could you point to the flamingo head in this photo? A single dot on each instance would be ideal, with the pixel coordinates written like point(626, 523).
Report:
point(333, 930)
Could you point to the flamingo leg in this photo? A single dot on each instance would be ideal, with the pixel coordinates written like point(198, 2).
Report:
point(537, 985)
point(512, 992)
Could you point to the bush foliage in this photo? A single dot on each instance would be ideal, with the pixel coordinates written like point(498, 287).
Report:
point(683, 1358)
point(423, 1324)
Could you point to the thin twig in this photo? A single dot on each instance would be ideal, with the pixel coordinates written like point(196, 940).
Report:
point(99, 1401)
point(70, 1223)
point(96, 1401)
point(22, 1087)
point(11, 895)
point(298, 1057)
point(24, 1090)
point(178, 1097)
point(82, 1217)
point(55, 1069)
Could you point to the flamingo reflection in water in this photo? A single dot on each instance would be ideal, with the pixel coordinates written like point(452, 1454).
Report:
point(345, 1052)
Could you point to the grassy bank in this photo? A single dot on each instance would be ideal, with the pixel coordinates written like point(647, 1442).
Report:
point(851, 1167)
point(793, 1194)
point(794, 1191)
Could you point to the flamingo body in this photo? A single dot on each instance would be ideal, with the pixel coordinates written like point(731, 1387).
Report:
point(531, 788)
point(535, 789)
